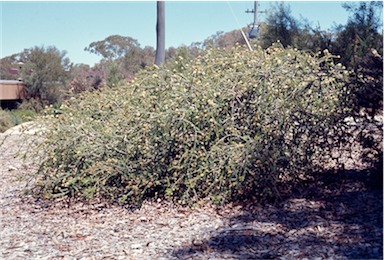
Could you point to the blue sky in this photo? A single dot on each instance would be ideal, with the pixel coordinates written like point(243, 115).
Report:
point(71, 26)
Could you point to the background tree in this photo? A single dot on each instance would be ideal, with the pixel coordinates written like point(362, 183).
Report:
point(313, 38)
point(361, 33)
point(280, 25)
point(85, 78)
point(113, 47)
point(122, 57)
point(224, 40)
point(137, 59)
point(45, 72)
point(10, 67)
point(360, 45)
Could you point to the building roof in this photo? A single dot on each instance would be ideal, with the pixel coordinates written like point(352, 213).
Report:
point(2, 81)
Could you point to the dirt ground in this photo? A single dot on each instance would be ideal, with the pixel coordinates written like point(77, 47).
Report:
point(334, 216)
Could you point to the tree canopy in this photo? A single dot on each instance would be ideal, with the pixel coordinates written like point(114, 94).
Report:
point(280, 26)
point(45, 71)
point(361, 33)
point(113, 47)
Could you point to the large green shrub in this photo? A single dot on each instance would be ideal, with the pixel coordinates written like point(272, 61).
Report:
point(229, 125)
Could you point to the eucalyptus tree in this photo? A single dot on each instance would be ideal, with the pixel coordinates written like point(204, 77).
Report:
point(122, 56)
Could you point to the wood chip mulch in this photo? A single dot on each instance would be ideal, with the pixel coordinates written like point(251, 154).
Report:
point(329, 218)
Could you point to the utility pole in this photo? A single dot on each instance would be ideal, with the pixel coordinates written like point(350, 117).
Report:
point(254, 32)
point(160, 33)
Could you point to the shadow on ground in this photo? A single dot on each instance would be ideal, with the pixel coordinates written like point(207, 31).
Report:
point(336, 215)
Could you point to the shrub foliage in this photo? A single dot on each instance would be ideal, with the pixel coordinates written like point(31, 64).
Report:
point(12, 118)
point(226, 126)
